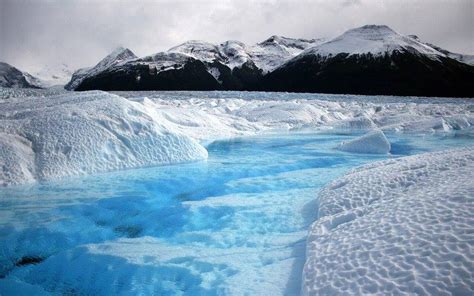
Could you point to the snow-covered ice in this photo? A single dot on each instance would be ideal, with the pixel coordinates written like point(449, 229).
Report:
point(373, 142)
point(107, 126)
point(401, 226)
point(84, 133)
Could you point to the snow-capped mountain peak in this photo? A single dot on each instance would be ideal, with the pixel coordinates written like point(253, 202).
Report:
point(371, 39)
point(266, 55)
point(117, 55)
point(287, 64)
point(274, 51)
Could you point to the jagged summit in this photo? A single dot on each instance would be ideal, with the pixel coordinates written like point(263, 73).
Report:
point(289, 42)
point(118, 55)
point(266, 55)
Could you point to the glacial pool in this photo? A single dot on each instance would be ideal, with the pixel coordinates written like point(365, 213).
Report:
point(235, 224)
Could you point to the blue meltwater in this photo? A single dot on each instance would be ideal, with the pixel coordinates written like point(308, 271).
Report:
point(235, 224)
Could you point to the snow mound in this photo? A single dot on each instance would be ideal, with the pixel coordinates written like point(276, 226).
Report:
point(76, 134)
point(401, 226)
point(373, 143)
point(373, 39)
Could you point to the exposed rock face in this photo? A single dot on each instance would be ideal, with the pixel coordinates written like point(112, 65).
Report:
point(400, 73)
point(14, 78)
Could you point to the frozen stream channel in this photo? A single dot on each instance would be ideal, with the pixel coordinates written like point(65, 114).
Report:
point(235, 224)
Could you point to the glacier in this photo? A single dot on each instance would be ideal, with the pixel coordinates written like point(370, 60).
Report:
point(49, 134)
point(242, 215)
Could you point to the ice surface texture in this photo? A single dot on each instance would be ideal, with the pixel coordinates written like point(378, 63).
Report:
point(374, 142)
point(400, 226)
point(57, 134)
point(76, 134)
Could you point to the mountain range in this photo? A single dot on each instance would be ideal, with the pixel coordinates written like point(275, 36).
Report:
point(372, 59)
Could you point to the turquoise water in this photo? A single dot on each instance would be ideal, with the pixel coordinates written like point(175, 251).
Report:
point(234, 224)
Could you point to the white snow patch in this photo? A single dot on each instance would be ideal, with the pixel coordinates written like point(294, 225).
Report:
point(373, 143)
point(399, 226)
point(215, 73)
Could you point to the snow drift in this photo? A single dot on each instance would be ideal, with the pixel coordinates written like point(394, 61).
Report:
point(76, 134)
point(399, 226)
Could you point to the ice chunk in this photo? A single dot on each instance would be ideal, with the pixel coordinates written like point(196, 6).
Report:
point(398, 226)
point(374, 142)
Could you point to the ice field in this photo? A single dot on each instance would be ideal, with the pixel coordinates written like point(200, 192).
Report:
point(228, 193)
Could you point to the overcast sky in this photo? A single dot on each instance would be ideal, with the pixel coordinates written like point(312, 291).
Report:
point(38, 32)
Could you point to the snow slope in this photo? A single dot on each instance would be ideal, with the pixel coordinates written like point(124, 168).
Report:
point(401, 226)
point(463, 58)
point(52, 75)
point(76, 134)
point(374, 39)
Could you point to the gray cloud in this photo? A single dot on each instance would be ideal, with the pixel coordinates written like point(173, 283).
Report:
point(38, 32)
